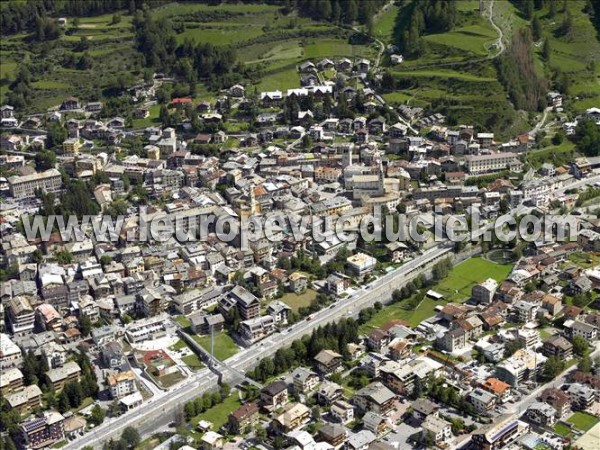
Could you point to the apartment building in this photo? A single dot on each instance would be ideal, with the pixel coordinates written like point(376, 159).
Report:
point(10, 380)
point(25, 185)
point(26, 399)
point(243, 417)
point(62, 375)
point(374, 397)
point(522, 366)
point(582, 396)
point(21, 316)
point(498, 434)
point(146, 329)
point(492, 163)
point(483, 293)
point(247, 304)
point(328, 361)
point(482, 400)
point(121, 384)
point(44, 431)
point(558, 346)
point(10, 353)
point(305, 380)
point(253, 330)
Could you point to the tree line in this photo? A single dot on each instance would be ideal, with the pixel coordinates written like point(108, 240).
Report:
point(421, 17)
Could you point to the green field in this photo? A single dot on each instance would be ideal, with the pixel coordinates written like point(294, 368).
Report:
point(456, 288)
point(152, 120)
point(562, 429)
point(193, 362)
point(384, 26)
point(583, 421)
point(224, 347)
point(296, 301)
point(474, 39)
point(218, 414)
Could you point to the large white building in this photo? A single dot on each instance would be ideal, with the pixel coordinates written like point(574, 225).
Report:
point(492, 163)
point(121, 384)
point(25, 186)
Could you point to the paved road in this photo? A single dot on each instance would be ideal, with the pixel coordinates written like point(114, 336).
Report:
point(157, 413)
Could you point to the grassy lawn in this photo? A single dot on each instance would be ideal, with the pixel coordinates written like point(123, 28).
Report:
point(562, 430)
point(183, 321)
point(152, 120)
point(193, 361)
point(472, 38)
point(457, 286)
point(583, 260)
point(280, 80)
point(296, 301)
point(225, 347)
point(218, 414)
point(583, 421)
point(384, 26)
point(178, 345)
point(170, 379)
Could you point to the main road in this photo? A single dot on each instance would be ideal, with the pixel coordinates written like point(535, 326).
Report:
point(155, 414)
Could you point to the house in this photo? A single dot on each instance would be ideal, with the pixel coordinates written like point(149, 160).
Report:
point(483, 401)
point(243, 417)
point(298, 282)
point(400, 349)
point(440, 429)
point(374, 397)
point(253, 330)
point(305, 380)
point(363, 65)
point(483, 293)
point(377, 340)
point(587, 331)
point(423, 408)
point(541, 414)
point(111, 355)
point(559, 347)
point(279, 311)
point(337, 283)
point(556, 398)
point(333, 434)
point(361, 440)
point(525, 311)
point(555, 99)
point(293, 417)
point(453, 340)
point(274, 396)
point(361, 264)
point(237, 90)
point(342, 411)
point(497, 387)
point(212, 440)
point(328, 361)
point(70, 104)
point(329, 392)
point(374, 422)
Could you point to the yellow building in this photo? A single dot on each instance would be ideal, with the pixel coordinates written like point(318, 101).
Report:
point(71, 146)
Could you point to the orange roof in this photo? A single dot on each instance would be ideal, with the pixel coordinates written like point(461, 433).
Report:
point(495, 385)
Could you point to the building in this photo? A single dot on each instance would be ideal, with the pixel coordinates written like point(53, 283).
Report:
point(483, 401)
point(556, 398)
point(438, 427)
point(374, 397)
point(10, 353)
point(558, 346)
point(145, 329)
point(25, 186)
point(453, 340)
point(62, 375)
point(525, 311)
point(212, 441)
point(26, 399)
point(528, 338)
point(43, 431)
point(493, 162)
point(582, 396)
point(293, 417)
point(243, 417)
point(541, 414)
point(247, 304)
point(71, 146)
point(121, 384)
point(342, 411)
point(333, 434)
point(498, 434)
point(111, 355)
point(10, 380)
point(274, 396)
point(522, 366)
point(202, 323)
point(497, 387)
point(328, 361)
point(483, 293)
point(361, 264)
point(253, 330)
point(21, 316)
point(305, 380)
point(424, 408)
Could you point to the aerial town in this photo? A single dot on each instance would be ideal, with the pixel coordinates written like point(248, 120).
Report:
point(314, 337)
